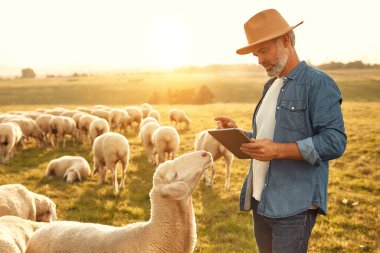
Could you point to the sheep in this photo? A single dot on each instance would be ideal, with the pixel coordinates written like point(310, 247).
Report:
point(171, 227)
point(145, 135)
point(10, 136)
point(166, 141)
point(119, 119)
point(108, 150)
point(17, 200)
point(69, 113)
point(59, 127)
point(98, 127)
point(145, 108)
point(42, 122)
point(15, 233)
point(71, 168)
point(204, 141)
point(29, 128)
point(135, 114)
point(101, 113)
point(178, 116)
point(147, 120)
point(155, 114)
point(83, 109)
point(84, 125)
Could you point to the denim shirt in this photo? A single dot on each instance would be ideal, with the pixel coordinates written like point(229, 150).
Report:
point(309, 114)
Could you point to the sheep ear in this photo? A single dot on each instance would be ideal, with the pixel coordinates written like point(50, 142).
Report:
point(177, 190)
point(65, 176)
point(79, 176)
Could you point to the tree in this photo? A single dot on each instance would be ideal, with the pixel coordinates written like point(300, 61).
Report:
point(28, 73)
point(204, 96)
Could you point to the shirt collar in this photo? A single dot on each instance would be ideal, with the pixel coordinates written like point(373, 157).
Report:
point(293, 74)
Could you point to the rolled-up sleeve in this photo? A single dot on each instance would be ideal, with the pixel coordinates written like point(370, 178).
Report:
point(329, 141)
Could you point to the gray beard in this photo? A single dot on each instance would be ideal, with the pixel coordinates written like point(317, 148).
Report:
point(278, 67)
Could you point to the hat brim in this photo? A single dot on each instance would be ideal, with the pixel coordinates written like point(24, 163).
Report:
point(248, 49)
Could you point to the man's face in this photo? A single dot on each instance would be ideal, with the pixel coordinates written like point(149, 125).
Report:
point(272, 55)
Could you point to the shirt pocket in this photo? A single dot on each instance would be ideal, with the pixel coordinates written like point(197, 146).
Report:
point(292, 115)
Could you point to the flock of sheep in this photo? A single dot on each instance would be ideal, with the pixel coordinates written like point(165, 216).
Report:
point(28, 220)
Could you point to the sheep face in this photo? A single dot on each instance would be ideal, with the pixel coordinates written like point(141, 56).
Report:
point(178, 178)
point(71, 175)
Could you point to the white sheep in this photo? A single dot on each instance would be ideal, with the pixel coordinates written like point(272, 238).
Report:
point(145, 108)
point(204, 141)
point(17, 200)
point(98, 127)
point(155, 114)
point(10, 136)
point(15, 233)
point(135, 114)
point(171, 227)
point(101, 113)
point(145, 135)
point(147, 120)
point(177, 117)
point(42, 122)
point(119, 119)
point(166, 142)
point(84, 125)
point(29, 128)
point(71, 168)
point(59, 127)
point(108, 150)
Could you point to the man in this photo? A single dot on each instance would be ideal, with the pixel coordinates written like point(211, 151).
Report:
point(297, 128)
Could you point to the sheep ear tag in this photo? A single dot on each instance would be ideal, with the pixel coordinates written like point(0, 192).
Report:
point(177, 190)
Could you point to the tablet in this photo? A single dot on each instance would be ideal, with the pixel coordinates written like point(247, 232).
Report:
point(231, 139)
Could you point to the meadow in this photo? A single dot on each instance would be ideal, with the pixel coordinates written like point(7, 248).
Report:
point(352, 226)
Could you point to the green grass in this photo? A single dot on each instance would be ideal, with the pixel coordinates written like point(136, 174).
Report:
point(220, 226)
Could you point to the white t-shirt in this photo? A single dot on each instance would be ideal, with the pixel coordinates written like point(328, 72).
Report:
point(265, 123)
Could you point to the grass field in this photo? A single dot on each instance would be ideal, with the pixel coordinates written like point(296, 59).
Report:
point(351, 227)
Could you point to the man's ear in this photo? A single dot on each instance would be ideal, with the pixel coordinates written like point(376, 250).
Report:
point(177, 190)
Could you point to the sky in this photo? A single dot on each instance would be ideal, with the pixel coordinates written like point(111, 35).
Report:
point(58, 36)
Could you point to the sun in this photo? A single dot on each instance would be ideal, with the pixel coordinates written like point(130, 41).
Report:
point(168, 41)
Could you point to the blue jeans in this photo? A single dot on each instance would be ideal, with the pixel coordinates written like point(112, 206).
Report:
point(283, 235)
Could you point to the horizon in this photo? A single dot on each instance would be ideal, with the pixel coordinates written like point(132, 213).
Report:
point(89, 37)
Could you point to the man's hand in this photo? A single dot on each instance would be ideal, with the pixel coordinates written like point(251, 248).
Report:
point(225, 122)
point(261, 149)
point(266, 150)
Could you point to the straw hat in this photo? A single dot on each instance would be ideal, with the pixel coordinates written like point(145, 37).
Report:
point(264, 26)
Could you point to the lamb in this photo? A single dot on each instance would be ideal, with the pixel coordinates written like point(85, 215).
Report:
point(145, 108)
point(178, 116)
point(71, 168)
point(204, 141)
point(98, 127)
point(17, 200)
point(15, 233)
point(10, 136)
point(166, 141)
point(108, 150)
point(145, 135)
point(171, 227)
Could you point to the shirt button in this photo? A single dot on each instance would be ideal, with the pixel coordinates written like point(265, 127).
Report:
point(278, 107)
point(285, 78)
point(265, 185)
point(282, 89)
point(292, 107)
